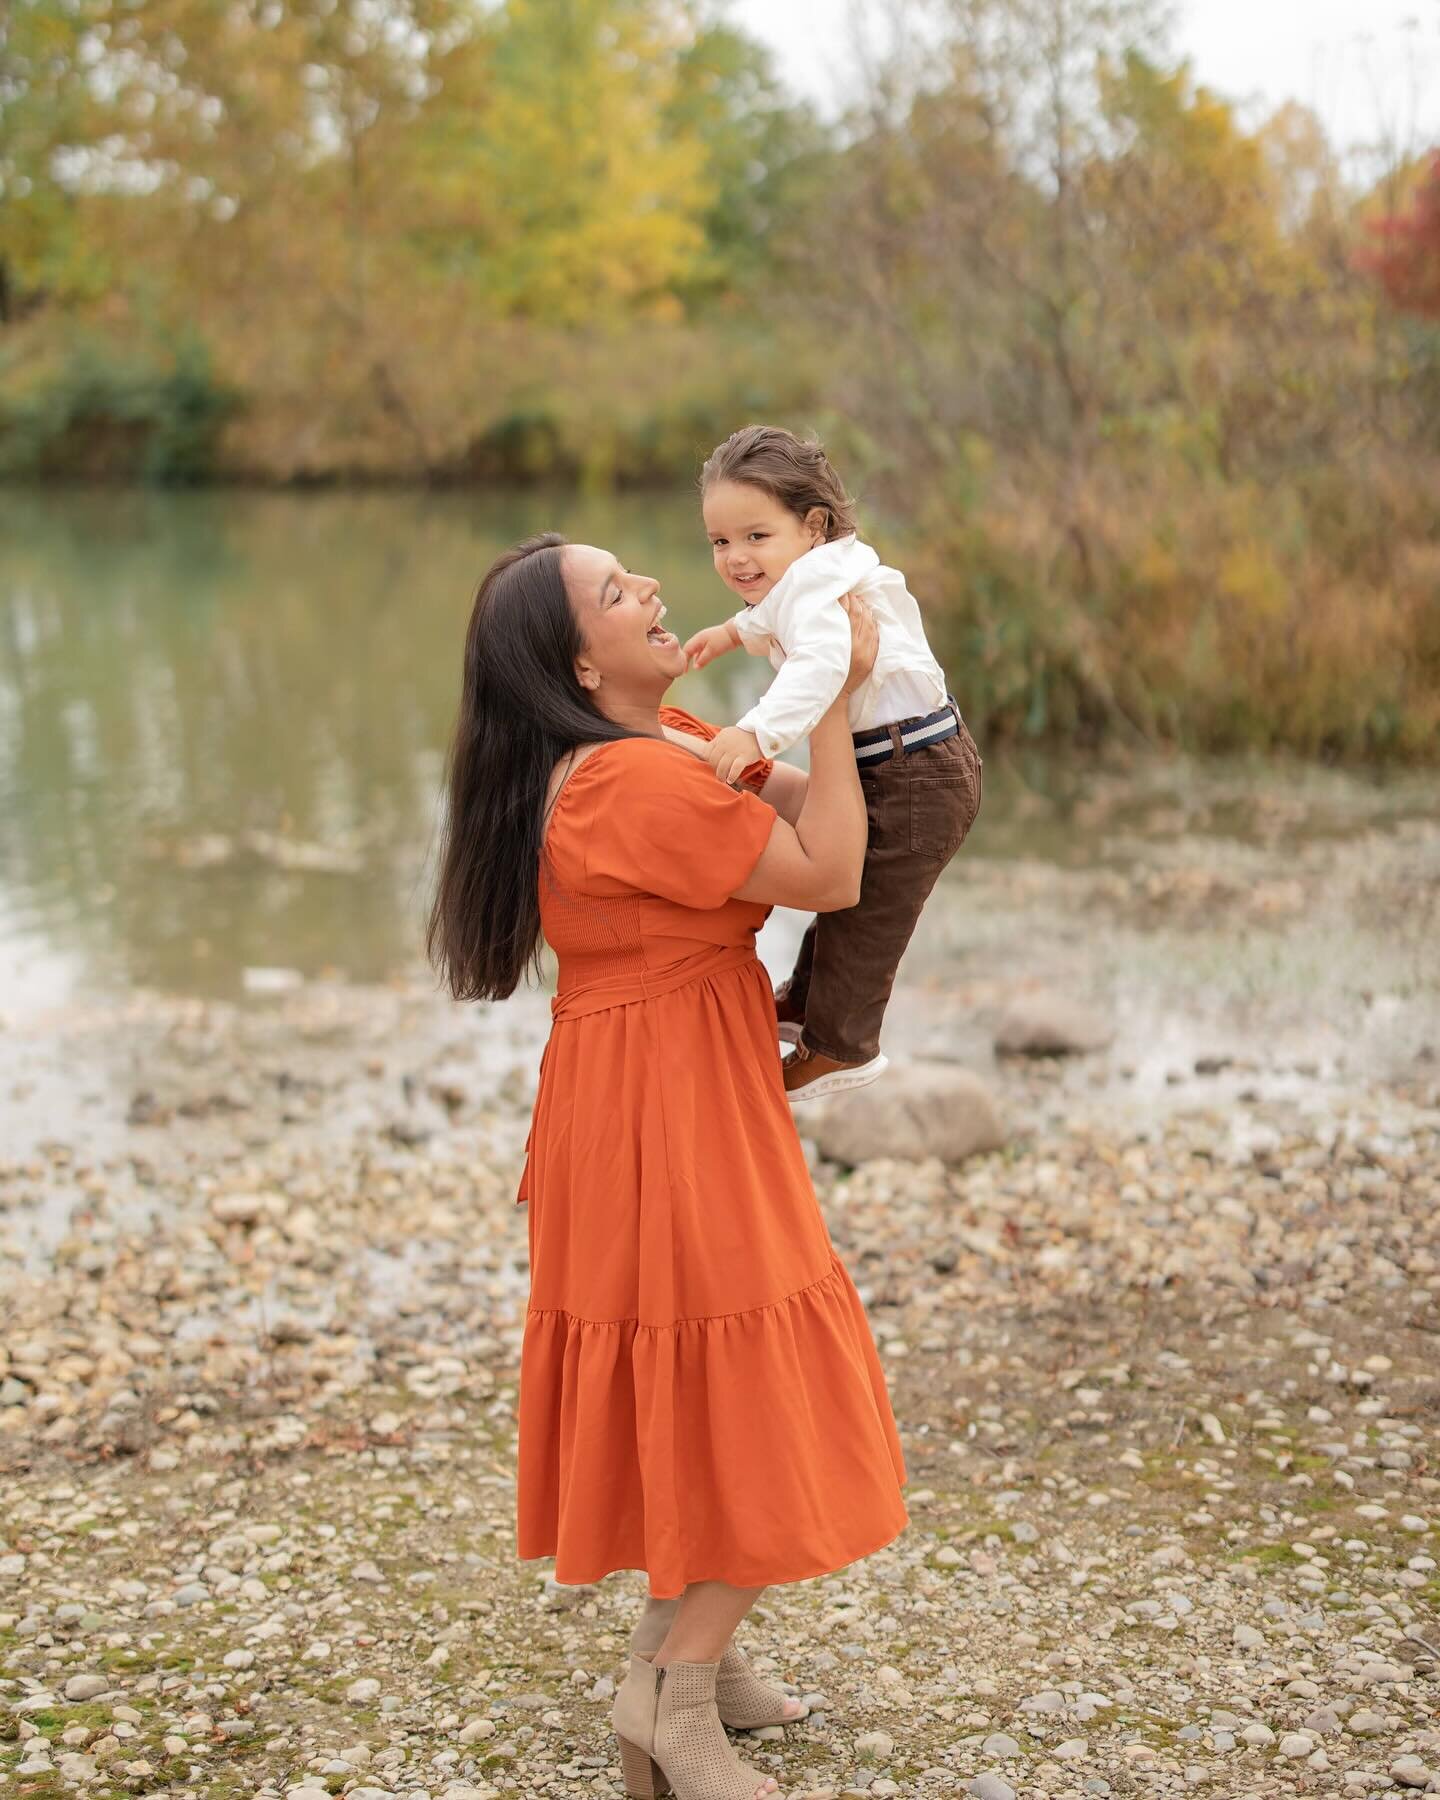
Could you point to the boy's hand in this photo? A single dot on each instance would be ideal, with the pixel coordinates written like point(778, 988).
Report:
point(705, 646)
point(731, 752)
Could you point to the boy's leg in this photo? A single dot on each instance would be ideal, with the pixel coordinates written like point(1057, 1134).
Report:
point(921, 808)
point(791, 995)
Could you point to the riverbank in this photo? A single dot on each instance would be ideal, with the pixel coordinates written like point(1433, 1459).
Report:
point(1165, 1366)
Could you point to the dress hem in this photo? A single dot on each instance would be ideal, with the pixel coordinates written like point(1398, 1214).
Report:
point(808, 1574)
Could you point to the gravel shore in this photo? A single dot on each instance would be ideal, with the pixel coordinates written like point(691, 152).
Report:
point(1167, 1369)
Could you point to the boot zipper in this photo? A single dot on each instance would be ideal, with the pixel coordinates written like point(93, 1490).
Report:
point(655, 1721)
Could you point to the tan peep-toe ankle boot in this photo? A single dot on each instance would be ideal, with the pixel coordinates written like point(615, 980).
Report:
point(671, 1739)
point(742, 1699)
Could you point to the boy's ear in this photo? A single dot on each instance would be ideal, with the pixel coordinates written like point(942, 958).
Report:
point(816, 521)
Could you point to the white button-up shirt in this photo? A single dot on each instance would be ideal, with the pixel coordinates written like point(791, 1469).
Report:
point(806, 637)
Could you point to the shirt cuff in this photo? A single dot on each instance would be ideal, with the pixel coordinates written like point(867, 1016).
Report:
point(771, 744)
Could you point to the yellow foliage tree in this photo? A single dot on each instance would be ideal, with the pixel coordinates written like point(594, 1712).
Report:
point(592, 202)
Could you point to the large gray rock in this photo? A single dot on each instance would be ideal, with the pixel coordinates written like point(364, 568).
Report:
point(915, 1110)
point(1049, 1025)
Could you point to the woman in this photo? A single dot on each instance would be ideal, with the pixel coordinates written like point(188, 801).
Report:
point(700, 1395)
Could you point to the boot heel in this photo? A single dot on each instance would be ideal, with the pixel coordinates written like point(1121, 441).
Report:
point(644, 1778)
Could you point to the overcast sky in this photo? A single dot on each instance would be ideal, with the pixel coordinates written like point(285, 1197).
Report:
point(1364, 65)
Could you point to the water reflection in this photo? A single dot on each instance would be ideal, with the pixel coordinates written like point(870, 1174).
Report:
point(185, 680)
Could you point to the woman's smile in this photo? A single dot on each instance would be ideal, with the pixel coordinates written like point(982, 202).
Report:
point(657, 634)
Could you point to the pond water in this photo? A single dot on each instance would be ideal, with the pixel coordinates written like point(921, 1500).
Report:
point(224, 716)
point(223, 719)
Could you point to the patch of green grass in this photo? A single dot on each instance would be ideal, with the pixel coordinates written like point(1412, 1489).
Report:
point(126, 1661)
point(1270, 1555)
point(59, 1718)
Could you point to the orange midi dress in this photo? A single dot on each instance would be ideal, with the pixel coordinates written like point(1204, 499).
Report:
point(700, 1394)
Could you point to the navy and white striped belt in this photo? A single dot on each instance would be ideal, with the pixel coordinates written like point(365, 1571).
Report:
point(878, 746)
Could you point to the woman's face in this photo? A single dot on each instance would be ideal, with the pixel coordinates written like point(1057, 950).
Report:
point(628, 652)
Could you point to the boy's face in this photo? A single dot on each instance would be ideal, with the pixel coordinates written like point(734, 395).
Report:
point(754, 539)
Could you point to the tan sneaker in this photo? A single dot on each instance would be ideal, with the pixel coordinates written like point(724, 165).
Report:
point(809, 1076)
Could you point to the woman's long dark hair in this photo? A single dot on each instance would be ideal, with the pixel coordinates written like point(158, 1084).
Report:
point(522, 709)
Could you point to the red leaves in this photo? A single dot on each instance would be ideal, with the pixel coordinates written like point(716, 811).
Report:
point(1404, 252)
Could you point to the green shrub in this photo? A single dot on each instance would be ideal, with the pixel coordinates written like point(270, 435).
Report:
point(91, 412)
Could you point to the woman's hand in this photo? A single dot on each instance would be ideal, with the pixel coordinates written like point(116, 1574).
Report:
point(864, 642)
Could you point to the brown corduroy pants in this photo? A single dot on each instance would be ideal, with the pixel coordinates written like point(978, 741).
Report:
point(920, 808)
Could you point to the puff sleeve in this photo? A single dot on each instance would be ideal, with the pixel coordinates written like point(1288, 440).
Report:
point(660, 823)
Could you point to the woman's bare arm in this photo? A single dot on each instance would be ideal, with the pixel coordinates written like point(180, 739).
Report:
point(785, 791)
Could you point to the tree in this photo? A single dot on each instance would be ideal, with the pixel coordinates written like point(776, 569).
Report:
point(766, 158)
point(1404, 250)
point(45, 111)
point(590, 203)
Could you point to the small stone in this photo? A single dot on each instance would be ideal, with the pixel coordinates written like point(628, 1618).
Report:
point(1258, 1736)
point(1000, 1746)
point(1049, 1025)
point(86, 1687)
point(990, 1787)
point(1048, 1700)
point(1366, 1724)
point(1293, 1744)
point(875, 1743)
point(237, 1209)
point(1410, 1772)
point(362, 1691)
point(933, 1109)
point(1072, 1750)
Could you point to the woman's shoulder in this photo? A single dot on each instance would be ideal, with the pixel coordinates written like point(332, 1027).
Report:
point(622, 760)
point(677, 719)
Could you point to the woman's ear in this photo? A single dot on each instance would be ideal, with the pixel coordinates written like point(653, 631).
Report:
point(586, 674)
point(816, 521)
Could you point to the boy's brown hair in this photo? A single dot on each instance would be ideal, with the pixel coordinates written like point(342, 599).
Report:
point(795, 471)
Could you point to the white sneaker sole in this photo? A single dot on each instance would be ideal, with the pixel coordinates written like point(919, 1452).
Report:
point(840, 1081)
